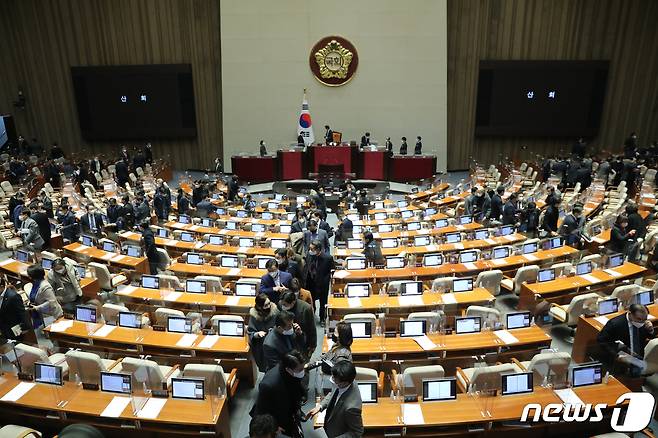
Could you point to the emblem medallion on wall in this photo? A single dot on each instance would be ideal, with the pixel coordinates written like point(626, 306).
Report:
point(333, 61)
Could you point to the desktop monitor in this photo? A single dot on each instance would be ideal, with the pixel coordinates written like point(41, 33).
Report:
point(606, 307)
point(413, 226)
point(501, 252)
point(215, 239)
point(378, 205)
point(506, 230)
point(278, 196)
point(357, 229)
point(468, 324)
point(529, 248)
point(262, 262)
point(116, 382)
point(195, 286)
point(464, 220)
point(422, 240)
point(82, 271)
point(220, 211)
point(272, 205)
point(187, 388)
point(206, 222)
point(556, 242)
point(402, 204)
point(150, 282)
point(395, 262)
point(278, 243)
point(245, 289)
point(584, 375)
point(615, 260)
point(267, 215)
point(368, 391)
point(645, 297)
point(516, 383)
point(257, 228)
point(517, 320)
point(355, 244)
point(48, 373)
point(413, 327)
point(411, 288)
point(245, 242)
point(453, 237)
point(429, 211)
point(361, 329)
point(184, 219)
point(88, 241)
point(406, 214)
point(389, 243)
point(47, 263)
point(109, 246)
point(163, 232)
point(300, 199)
point(546, 275)
point(130, 320)
point(354, 263)
point(241, 213)
point(179, 324)
point(187, 237)
point(440, 389)
point(468, 256)
point(194, 258)
point(481, 234)
point(228, 261)
point(290, 216)
point(285, 229)
point(357, 290)
point(462, 285)
point(380, 216)
point(583, 268)
point(133, 251)
point(441, 223)
point(385, 228)
point(230, 328)
point(85, 313)
point(231, 225)
point(432, 259)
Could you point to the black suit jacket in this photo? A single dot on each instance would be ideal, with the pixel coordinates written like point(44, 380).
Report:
point(275, 346)
point(419, 148)
point(12, 313)
point(365, 140)
point(403, 148)
point(325, 264)
point(280, 395)
point(86, 227)
point(617, 330)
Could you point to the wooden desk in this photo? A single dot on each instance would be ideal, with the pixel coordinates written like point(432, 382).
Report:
point(562, 290)
point(39, 409)
point(453, 418)
point(13, 268)
point(186, 270)
point(589, 328)
point(447, 201)
point(425, 194)
point(234, 352)
point(199, 229)
point(138, 264)
point(511, 239)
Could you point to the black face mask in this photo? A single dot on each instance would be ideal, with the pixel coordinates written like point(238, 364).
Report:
point(334, 338)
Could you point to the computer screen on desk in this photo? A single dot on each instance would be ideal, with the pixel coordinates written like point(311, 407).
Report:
point(219, 211)
point(462, 285)
point(432, 260)
point(429, 211)
point(354, 244)
point(88, 241)
point(422, 240)
point(361, 329)
point(586, 375)
point(394, 262)
point(82, 271)
point(406, 214)
point(285, 229)
point(517, 320)
point(241, 213)
point(501, 252)
point(467, 256)
point(529, 248)
point(615, 260)
point(556, 242)
point(368, 391)
point(187, 237)
point(481, 234)
point(194, 258)
point(228, 262)
point(116, 382)
point(468, 324)
point(47, 263)
point(439, 389)
point(645, 297)
point(413, 327)
point(453, 237)
point(206, 222)
point(385, 228)
point(464, 220)
point(150, 282)
point(272, 205)
point(546, 275)
point(133, 251)
point(262, 262)
point(187, 388)
point(516, 383)
point(609, 306)
point(413, 226)
point(402, 204)
point(411, 288)
point(378, 205)
point(441, 223)
point(230, 328)
point(257, 228)
point(215, 239)
point(355, 263)
point(179, 324)
point(583, 268)
point(278, 243)
point(163, 232)
point(184, 219)
point(85, 313)
point(245, 289)
point(389, 243)
point(231, 225)
point(245, 242)
point(506, 230)
point(357, 290)
point(130, 319)
point(195, 286)
point(267, 215)
point(48, 373)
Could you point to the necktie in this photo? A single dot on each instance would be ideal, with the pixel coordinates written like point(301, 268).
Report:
point(635, 341)
point(288, 342)
point(332, 403)
point(92, 222)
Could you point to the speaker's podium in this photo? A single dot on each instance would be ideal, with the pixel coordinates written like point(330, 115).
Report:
point(334, 159)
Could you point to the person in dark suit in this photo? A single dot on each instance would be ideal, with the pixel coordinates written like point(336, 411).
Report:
point(579, 147)
point(284, 337)
point(95, 165)
point(317, 274)
point(147, 151)
point(182, 202)
point(113, 211)
point(630, 145)
point(509, 210)
point(314, 233)
point(389, 145)
point(345, 229)
point(635, 221)
point(70, 228)
point(305, 317)
point(287, 265)
point(328, 134)
point(620, 235)
point(419, 146)
point(124, 154)
point(403, 146)
point(41, 218)
point(365, 139)
point(572, 226)
point(92, 222)
point(362, 204)
point(263, 149)
point(343, 404)
point(322, 224)
point(233, 188)
point(497, 204)
point(122, 172)
point(148, 245)
point(275, 282)
point(625, 336)
point(13, 318)
point(372, 251)
point(280, 394)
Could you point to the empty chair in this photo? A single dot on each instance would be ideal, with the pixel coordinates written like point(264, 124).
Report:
point(139, 171)
point(28, 355)
point(411, 379)
point(213, 283)
point(579, 305)
point(111, 312)
point(442, 284)
point(217, 382)
point(490, 316)
point(490, 280)
point(651, 357)
point(162, 314)
point(252, 281)
point(562, 269)
point(553, 365)
point(106, 280)
point(523, 274)
point(87, 366)
point(625, 294)
point(594, 258)
point(149, 373)
point(165, 260)
point(216, 318)
point(7, 188)
point(132, 177)
point(482, 378)
point(170, 282)
point(432, 319)
point(14, 431)
point(105, 174)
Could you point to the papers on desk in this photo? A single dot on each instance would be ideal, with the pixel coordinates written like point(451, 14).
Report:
point(506, 337)
point(108, 256)
point(61, 326)
point(104, 331)
point(127, 290)
point(449, 298)
point(530, 257)
point(115, 407)
point(431, 248)
point(223, 231)
point(424, 342)
point(233, 272)
point(152, 408)
point(424, 231)
point(187, 340)
point(172, 296)
point(603, 320)
point(470, 266)
point(194, 227)
point(509, 237)
point(199, 245)
point(459, 246)
point(341, 274)
point(242, 250)
point(354, 302)
point(612, 272)
point(412, 414)
point(232, 300)
point(118, 258)
point(6, 262)
point(590, 278)
point(208, 341)
point(19, 391)
point(568, 397)
point(459, 227)
point(498, 262)
point(411, 300)
point(490, 241)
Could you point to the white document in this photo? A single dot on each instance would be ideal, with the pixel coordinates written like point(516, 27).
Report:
point(354, 302)
point(431, 248)
point(412, 300)
point(242, 250)
point(233, 272)
point(19, 391)
point(509, 237)
point(459, 246)
point(590, 278)
point(199, 245)
point(152, 408)
point(319, 418)
point(424, 231)
point(613, 272)
point(425, 342)
point(232, 300)
point(208, 341)
point(6, 262)
point(568, 397)
point(187, 340)
point(173, 296)
point(61, 326)
point(194, 227)
point(115, 408)
point(506, 337)
point(459, 227)
point(470, 266)
point(412, 414)
point(498, 262)
point(341, 273)
point(118, 258)
point(490, 241)
point(127, 290)
point(108, 256)
point(449, 298)
point(530, 257)
point(330, 344)
point(104, 331)
point(603, 320)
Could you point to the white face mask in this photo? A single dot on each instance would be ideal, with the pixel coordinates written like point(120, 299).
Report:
point(286, 307)
point(289, 332)
point(637, 324)
point(274, 274)
point(298, 374)
point(60, 270)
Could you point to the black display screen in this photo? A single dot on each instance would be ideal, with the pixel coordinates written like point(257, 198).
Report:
point(540, 98)
point(135, 101)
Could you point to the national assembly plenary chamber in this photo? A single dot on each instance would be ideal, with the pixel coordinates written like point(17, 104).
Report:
point(302, 218)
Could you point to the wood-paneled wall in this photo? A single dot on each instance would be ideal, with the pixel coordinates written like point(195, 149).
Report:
point(41, 40)
point(621, 31)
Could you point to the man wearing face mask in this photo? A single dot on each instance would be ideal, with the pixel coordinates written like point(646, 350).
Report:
point(275, 282)
point(13, 317)
point(314, 233)
point(29, 231)
point(64, 279)
point(261, 320)
point(317, 275)
point(343, 404)
point(572, 226)
point(92, 222)
point(287, 265)
point(280, 394)
point(285, 337)
point(304, 317)
point(624, 337)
